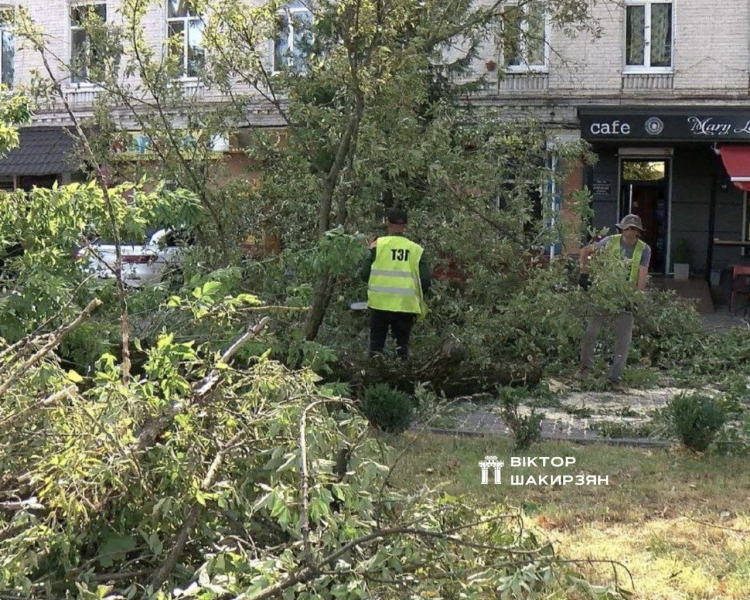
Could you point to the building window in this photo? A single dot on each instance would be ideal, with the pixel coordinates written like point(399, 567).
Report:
point(293, 37)
point(524, 35)
point(648, 34)
point(82, 55)
point(7, 47)
point(185, 31)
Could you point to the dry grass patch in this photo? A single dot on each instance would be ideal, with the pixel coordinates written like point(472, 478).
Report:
point(679, 522)
point(669, 559)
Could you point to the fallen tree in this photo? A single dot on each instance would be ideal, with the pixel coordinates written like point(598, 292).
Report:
point(448, 371)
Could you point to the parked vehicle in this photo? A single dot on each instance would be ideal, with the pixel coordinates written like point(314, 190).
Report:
point(142, 263)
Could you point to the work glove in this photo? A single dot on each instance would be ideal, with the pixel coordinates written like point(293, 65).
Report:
point(584, 281)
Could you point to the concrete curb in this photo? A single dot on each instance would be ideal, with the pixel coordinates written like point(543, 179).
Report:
point(576, 439)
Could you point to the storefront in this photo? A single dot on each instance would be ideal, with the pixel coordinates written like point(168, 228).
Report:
point(683, 170)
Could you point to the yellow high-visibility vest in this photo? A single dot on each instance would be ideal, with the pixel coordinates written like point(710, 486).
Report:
point(635, 262)
point(394, 283)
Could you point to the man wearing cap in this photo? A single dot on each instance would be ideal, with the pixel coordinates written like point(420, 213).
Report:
point(637, 256)
point(398, 277)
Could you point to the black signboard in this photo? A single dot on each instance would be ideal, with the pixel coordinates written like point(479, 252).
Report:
point(665, 124)
point(602, 187)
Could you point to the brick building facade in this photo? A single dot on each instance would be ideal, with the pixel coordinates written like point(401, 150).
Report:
point(638, 92)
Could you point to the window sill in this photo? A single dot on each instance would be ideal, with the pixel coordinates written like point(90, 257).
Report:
point(648, 71)
point(192, 81)
point(83, 85)
point(524, 69)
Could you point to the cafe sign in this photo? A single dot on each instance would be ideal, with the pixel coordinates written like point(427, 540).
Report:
point(667, 124)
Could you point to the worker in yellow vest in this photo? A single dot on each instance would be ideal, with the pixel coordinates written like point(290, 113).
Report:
point(398, 277)
point(637, 255)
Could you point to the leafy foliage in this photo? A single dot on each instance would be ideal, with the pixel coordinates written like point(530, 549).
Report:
point(274, 482)
point(696, 419)
point(526, 429)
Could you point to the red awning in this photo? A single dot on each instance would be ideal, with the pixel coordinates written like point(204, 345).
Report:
point(736, 160)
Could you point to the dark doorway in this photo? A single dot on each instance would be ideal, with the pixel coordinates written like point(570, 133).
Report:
point(644, 191)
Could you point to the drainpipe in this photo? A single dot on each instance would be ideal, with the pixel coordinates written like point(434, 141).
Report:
point(712, 219)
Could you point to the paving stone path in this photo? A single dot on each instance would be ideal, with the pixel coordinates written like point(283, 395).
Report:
point(577, 417)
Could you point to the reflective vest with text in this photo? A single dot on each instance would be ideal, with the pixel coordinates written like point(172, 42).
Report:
point(394, 283)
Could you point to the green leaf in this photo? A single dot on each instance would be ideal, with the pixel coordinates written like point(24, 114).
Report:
point(115, 547)
point(74, 377)
point(209, 287)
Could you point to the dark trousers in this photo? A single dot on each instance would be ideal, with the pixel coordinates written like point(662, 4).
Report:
point(400, 324)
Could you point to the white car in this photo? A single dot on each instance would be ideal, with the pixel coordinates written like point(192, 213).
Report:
point(142, 264)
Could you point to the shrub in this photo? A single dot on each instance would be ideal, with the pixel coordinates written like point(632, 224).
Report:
point(387, 408)
point(525, 429)
point(696, 420)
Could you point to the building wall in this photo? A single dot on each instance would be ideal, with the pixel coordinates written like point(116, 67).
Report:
point(710, 60)
point(711, 54)
point(692, 180)
point(587, 65)
point(711, 45)
point(53, 17)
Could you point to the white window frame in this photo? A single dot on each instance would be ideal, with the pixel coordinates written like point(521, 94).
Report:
point(186, 20)
point(289, 11)
point(81, 83)
point(646, 68)
point(525, 67)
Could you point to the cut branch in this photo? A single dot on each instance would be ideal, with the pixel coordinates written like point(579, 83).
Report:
point(43, 403)
point(153, 429)
point(57, 337)
point(162, 573)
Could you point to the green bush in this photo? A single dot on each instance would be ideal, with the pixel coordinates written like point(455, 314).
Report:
point(696, 420)
point(387, 408)
point(525, 429)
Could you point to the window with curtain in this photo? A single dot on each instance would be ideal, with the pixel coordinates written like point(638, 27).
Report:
point(82, 54)
point(293, 37)
point(648, 34)
point(524, 35)
point(185, 30)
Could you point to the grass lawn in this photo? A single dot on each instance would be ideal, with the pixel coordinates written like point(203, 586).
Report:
point(679, 522)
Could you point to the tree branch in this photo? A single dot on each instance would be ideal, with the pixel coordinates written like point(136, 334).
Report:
point(46, 349)
point(101, 181)
point(162, 573)
point(43, 403)
point(153, 429)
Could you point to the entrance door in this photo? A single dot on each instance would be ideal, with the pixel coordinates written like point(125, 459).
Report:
point(644, 191)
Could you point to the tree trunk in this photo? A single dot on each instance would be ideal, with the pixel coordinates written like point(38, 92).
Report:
point(324, 288)
point(321, 298)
